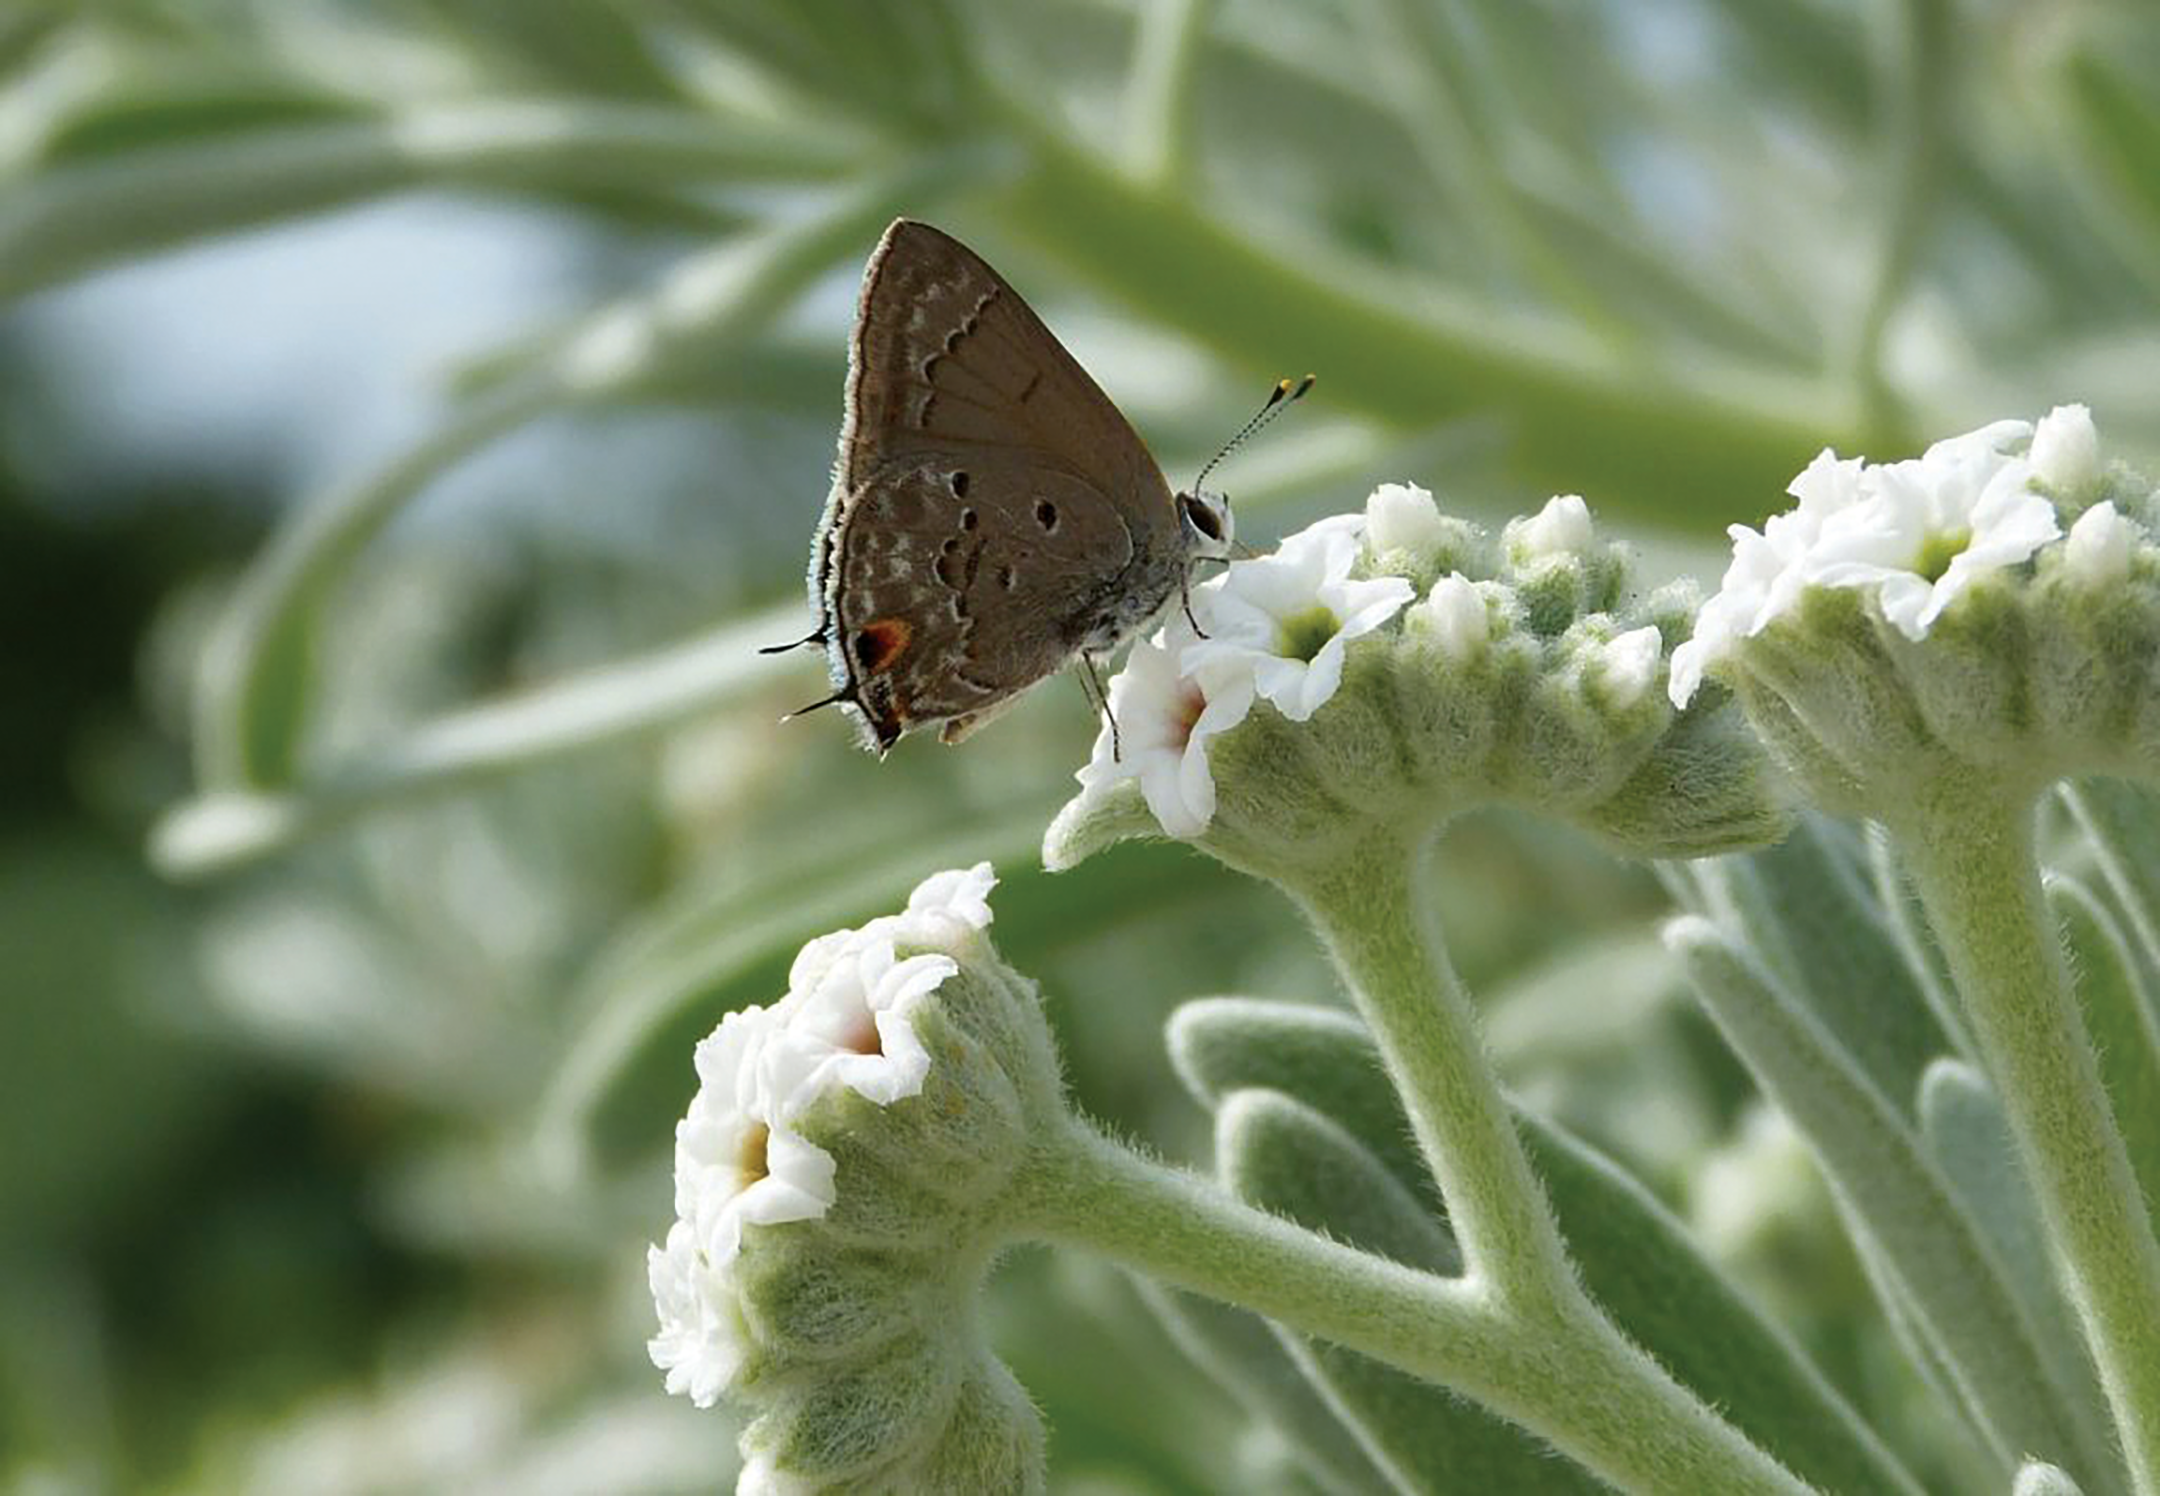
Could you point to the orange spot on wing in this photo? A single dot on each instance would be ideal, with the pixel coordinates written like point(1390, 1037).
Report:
point(879, 643)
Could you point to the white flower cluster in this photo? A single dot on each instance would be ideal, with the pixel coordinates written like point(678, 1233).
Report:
point(1273, 629)
point(1914, 535)
point(846, 1021)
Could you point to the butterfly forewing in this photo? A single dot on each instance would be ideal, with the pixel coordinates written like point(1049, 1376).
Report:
point(946, 352)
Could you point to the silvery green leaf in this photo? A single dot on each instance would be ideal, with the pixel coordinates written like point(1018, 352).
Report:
point(2121, 1016)
point(1808, 910)
point(1944, 1269)
point(1636, 1259)
point(1963, 1127)
point(1244, 1355)
point(2123, 822)
point(1908, 927)
point(1278, 1153)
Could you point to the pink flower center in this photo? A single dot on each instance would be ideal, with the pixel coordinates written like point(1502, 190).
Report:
point(1191, 702)
point(862, 1036)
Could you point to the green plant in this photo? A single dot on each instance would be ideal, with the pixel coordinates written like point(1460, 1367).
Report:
point(1658, 255)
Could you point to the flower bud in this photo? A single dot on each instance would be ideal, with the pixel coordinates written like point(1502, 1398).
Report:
point(1393, 668)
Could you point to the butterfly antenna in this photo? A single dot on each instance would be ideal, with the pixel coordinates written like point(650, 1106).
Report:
point(1287, 392)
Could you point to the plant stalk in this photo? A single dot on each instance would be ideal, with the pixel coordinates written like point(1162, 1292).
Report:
point(1569, 1378)
point(1970, 851)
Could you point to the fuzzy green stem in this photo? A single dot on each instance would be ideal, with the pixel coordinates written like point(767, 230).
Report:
point(1970, 850)
point(1568, 1377)
point(1384, 941)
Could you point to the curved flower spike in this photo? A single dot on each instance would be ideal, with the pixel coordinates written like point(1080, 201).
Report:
point(837, 1192)
point(1990, 604)
point(1324, 696)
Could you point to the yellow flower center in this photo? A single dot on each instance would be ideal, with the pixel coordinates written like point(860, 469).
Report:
point(1303, 635)
point(750, 1164)
point(1939, 551)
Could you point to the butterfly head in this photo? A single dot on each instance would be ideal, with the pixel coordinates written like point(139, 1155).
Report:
point(1205, 516)
point(1205, 519)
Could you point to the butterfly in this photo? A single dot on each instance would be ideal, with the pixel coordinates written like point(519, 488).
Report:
point(993, 517)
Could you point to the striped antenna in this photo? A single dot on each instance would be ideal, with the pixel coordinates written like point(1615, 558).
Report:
point(1285, 394)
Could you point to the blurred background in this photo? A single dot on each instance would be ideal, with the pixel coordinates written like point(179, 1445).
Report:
point(414, 413)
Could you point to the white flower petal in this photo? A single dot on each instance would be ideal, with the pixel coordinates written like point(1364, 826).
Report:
point(2066, 449)
point(818, 957)
point(1273, 603)
point(947, 908)
point(1828, 484)
point(1769, 571)
point(1282, 681)
point(1323, 678)
point(1335, 535)
point(1906, 601)
point(856, 1031)
point(1991, 440)
point(1365, 606)
point(699, 1345)
point(798, 1183)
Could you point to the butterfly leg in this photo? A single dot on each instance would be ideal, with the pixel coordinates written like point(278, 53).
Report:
point(1185, 601)
point(1091, 686)
point(833, 700)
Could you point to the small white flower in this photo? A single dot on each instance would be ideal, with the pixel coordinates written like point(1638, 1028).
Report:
point(1286, 619)
point(847, 1020)
point(856, 1029)
point(2066, 449)
point(946, 909)
point(699, 1346)
point(1455, 617)
point(2098, 549)
point(1916, 535)
point(1627, 666)
point(733, 1167)
point(1768, 572)
point(1402, 517)
point(1932, 527)
point(1562, 527)
point(1164, 721)
point(736, 1163)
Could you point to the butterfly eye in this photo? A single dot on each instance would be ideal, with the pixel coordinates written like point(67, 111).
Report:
point(1201, 517)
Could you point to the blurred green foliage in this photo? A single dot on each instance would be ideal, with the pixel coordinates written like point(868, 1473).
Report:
point(330, 1162)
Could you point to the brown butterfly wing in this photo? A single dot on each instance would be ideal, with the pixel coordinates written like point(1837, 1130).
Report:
point(991, 507)
point(948, 603)
point(947, 354)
